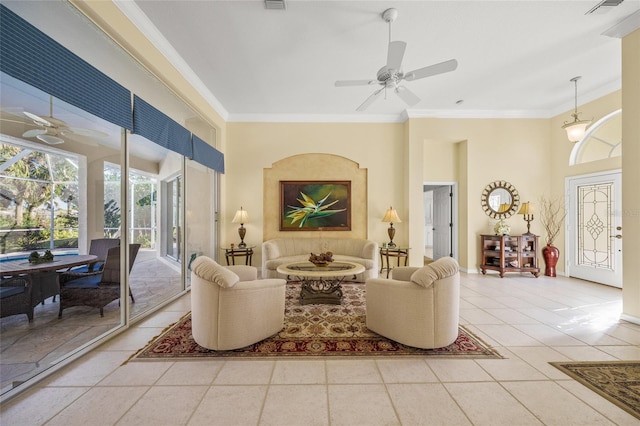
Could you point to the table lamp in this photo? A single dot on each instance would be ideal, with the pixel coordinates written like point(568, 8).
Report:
point(391, 216)
point(241, 217)
point(526, 209)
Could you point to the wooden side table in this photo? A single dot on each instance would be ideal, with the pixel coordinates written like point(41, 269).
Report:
point(388, 252)
point(233, 252)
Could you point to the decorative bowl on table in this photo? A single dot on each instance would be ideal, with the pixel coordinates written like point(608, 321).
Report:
point(35, 257)
point(322, 259)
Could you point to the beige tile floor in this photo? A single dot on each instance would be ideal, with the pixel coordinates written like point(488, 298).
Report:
point(530, 321)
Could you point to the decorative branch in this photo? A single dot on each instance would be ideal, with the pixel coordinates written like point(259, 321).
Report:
point(552, 214)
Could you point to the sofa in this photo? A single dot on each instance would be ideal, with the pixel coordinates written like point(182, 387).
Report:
point(279, 251)
point(231, 308)
point(417, 306)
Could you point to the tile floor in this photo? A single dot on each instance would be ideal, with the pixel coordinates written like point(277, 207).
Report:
point(530, 321)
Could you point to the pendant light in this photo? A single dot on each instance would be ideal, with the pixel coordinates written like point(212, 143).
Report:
point(576, 128)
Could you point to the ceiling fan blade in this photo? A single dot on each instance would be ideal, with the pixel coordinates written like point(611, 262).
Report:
point(33, 133)
point(344, 83)
point(440, 68)
point(39, 120)
point(84, 132)
point(370, 100)
point(407, 95)
point(395, 54)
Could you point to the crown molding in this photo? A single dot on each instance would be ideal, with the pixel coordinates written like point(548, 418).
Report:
point(315, 118)
point(625, 27)
point(433, 113)
point(131, 10)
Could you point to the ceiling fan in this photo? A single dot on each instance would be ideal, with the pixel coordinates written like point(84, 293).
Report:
point(391, 75)
point(50, 129)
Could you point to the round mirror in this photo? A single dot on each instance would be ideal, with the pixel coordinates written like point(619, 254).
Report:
point(500, 200)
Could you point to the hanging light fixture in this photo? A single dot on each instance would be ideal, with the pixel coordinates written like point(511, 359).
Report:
point(576, 128)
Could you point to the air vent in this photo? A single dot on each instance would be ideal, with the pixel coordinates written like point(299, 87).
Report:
point(275, 4)
point(604, 6)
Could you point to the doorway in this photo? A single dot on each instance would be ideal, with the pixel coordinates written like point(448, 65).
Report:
point(594, 222)
point(440, 228)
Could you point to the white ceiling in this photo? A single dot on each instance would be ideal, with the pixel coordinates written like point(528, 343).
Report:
point(515, 57)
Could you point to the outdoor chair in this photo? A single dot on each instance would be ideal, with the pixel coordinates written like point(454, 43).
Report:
point(97, 289)
point(98, 247)
point(15, 297)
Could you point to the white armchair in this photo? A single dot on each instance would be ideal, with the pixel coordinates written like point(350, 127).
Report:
point(417, 307)
point(231, 308)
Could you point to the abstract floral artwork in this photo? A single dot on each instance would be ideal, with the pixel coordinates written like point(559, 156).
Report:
point(315, 205)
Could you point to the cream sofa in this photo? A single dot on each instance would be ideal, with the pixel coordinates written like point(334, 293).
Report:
point(231, 308)
point(285, 250)
point(417, 307)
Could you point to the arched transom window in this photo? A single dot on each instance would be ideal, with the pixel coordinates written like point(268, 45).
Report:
point(602, 140)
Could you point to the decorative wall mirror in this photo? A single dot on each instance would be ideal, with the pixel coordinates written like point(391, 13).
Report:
point(500, 200)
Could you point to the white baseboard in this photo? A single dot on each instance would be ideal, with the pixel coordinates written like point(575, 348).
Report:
point(630, 318)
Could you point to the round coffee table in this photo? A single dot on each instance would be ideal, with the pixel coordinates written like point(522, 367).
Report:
point(320, 284)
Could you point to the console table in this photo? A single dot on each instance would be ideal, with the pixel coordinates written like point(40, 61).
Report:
point(509, 253)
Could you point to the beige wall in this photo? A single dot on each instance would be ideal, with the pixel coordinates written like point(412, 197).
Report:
point(475, 152)
point(253, 147)
point(314, 167)
point(631, 175)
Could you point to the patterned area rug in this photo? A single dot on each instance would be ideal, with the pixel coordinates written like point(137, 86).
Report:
point(312, 330)
point(617, 381)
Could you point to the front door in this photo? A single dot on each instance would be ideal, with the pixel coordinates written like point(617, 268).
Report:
point(595, 232)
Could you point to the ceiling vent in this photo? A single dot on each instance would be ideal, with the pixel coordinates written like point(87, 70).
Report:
point(604, 6)
point(275, 4)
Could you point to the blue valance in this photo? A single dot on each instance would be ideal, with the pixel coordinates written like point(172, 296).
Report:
point(154, 125)
point(207, 155)
point(29, 55)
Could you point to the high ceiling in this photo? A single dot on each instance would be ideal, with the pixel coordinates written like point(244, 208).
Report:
point(516, 58)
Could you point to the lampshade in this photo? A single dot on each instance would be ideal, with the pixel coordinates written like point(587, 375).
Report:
point(241, 216)
point(526, 208)
point(577, 128)
point(391, 216)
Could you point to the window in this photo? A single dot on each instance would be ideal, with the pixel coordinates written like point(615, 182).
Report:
point(39, 196)
point(602, 140)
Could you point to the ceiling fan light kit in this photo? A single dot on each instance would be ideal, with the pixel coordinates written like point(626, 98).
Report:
point(391, 75)
point(51, 128)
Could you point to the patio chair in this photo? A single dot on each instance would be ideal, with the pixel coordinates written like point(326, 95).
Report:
point(15, 297)
point(98, 247)
point(97, 289)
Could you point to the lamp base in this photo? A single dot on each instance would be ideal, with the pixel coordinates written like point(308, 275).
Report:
point(391, 244)
point(242, 244)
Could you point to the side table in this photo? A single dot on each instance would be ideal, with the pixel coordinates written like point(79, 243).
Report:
point(391, 252)
point(233, 252)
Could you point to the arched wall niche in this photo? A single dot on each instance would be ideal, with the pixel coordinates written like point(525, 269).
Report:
point(327, 167)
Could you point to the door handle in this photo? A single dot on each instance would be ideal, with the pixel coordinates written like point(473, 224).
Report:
point(618, 236)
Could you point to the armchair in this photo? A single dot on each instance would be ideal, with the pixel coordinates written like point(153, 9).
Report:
point(231, 308)
point(417, 307)
point(15, 297)
point(96, 289)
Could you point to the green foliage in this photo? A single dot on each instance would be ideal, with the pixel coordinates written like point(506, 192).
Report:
point(111, 219)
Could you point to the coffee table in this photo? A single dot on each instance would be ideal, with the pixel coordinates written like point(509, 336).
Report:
point(320, 284)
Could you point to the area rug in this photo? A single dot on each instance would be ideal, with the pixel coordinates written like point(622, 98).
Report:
point(312, 330)
point(617, 381)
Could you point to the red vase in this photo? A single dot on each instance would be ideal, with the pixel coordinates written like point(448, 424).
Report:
point(550, 254)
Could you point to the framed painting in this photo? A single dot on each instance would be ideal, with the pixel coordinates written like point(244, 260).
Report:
point(315, 205)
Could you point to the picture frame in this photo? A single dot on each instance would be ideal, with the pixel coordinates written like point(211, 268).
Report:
point(315, 205)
